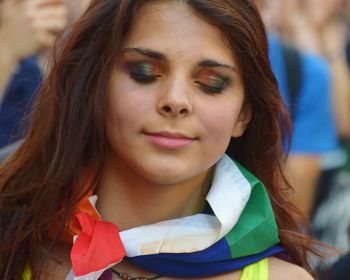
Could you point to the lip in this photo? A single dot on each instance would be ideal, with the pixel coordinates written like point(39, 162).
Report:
point(169, 140)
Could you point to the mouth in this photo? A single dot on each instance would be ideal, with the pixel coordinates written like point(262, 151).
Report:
point(169, 140)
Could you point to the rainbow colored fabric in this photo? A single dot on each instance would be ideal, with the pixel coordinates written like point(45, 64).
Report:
point(236, 229)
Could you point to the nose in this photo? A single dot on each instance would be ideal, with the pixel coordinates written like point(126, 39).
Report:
point(175, 100)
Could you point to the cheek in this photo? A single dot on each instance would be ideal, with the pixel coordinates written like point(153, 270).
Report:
point(219, 123)
point(121, 112)
point(126, 101)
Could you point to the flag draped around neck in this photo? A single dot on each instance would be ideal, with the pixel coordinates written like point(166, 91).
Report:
point(237, 228)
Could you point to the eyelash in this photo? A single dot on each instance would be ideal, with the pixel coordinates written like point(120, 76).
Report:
point(213, 89)
point(137, 73)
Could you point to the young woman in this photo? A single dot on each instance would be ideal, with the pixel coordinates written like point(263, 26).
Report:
point(123, 174)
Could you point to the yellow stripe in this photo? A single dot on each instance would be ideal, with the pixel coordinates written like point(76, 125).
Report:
point(256, 271)
point(27, 274)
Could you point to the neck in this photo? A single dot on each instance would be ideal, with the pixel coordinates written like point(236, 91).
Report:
point(130, 200)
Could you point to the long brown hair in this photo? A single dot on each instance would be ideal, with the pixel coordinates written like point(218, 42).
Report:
point(39, 183)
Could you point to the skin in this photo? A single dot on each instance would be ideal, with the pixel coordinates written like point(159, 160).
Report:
point(27, 27)
point(316, 27)
point(146, 174)
point(303, 172)
point(141, 178)
point(76, 8)
point(31, 27)
point(321, 11)
point(328, 38)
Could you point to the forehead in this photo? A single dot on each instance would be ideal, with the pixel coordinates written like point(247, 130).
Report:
point(173, 28)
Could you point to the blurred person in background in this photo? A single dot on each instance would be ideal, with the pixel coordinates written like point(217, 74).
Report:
point(320, 27)
point(329, 25)
point(341, 268)
point(347, 17)
point(28, 29)
point(304, 82)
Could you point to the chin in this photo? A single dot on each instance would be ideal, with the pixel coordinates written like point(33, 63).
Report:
point(164, 176)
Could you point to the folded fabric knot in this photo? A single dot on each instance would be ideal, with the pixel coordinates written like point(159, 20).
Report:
point(97, 246)
point(236, 228)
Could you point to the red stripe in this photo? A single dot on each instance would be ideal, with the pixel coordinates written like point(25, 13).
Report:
point(97, 246)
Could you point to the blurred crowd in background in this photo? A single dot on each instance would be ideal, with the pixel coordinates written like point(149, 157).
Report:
point(28, 30)
point(310, 55)
point(309, 47)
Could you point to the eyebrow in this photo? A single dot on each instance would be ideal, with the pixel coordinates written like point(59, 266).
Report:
point(146, 52)
point(213, 63)
point(159, 56)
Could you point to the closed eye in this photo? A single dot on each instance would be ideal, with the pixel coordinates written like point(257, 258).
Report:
point(142, 72)
point(213, 85)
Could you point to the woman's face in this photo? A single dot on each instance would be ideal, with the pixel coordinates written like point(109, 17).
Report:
point(175, 98)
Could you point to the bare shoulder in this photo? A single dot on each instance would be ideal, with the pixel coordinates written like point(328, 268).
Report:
point(280, 269)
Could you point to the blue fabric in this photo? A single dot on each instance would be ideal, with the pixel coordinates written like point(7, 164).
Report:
point(211, 261)
point(314, 128)
point(255, 230)
point(18, 100)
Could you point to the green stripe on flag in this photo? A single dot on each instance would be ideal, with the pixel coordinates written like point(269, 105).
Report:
point(256, 229)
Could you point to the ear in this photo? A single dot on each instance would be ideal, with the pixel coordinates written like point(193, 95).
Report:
point(243, 120)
